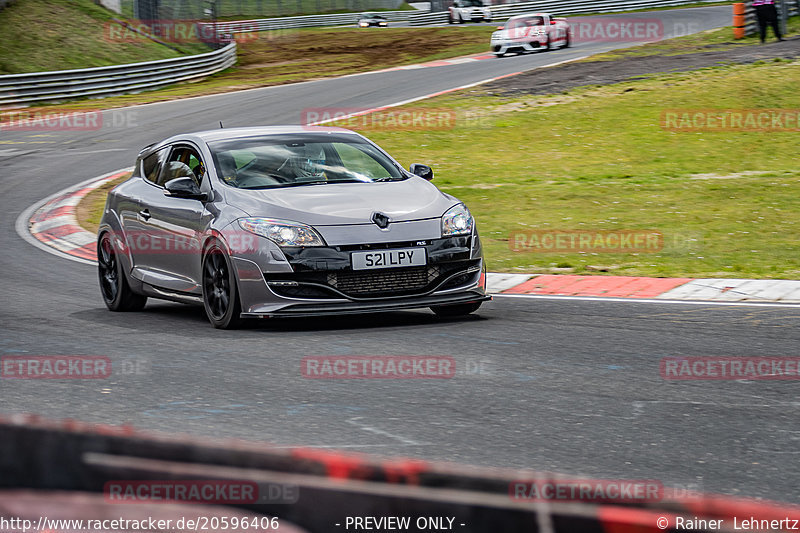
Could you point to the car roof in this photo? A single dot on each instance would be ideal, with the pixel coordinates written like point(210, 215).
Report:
point(224, 134)
point(530, 15)
point(237, 133)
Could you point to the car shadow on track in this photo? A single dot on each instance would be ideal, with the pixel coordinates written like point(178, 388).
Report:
point(180, 319)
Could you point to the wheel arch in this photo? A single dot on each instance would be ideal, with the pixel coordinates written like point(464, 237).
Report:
point(111, 223)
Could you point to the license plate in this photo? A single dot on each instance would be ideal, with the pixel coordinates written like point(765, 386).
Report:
point(388, 258)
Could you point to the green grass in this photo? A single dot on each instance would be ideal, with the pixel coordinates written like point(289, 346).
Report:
point(272, 58)
point(597, 159)
point(39, 35)
point(715, 40)
point(89, 211)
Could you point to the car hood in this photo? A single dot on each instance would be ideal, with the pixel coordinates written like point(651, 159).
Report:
point(345, 203)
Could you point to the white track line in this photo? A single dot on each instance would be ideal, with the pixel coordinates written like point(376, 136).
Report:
point(22, 223)
point(646, 300)
point(439, 93)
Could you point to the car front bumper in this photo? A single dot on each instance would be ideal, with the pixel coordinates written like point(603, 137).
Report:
point(503, 44)
point(321, 281)
point(338, 308)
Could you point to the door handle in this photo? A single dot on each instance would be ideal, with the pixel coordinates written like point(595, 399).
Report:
point(145, 214)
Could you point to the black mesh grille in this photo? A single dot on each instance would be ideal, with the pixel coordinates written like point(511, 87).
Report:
point(389, 281)
point(405, 281)
point(303, 291)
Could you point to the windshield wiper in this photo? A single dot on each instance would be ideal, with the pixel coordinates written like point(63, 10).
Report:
point(302, 183)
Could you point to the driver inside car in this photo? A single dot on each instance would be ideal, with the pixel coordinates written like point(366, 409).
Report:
point(307, 165)
point(227, 165)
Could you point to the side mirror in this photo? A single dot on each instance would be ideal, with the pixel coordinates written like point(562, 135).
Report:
point(184, 188)
point(552, 22)
point(423, 171)
point(500, 27)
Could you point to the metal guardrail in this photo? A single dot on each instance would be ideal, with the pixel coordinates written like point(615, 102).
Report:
point(115, 79)
point(305, 21)
point(561, 7)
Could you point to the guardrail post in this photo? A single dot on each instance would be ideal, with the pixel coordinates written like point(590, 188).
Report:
point(784, 16)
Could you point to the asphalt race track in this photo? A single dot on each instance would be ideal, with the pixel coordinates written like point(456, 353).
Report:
point(546, 383)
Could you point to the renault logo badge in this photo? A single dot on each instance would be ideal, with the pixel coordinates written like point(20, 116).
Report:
point(380, 220)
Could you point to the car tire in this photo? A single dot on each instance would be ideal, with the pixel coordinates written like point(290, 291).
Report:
point(114, 287)
point(220, 289)
point(548, 45)
point(497, 55)
point(450, 19)
point(455, 310)
point(460, 19)
point(567, 42)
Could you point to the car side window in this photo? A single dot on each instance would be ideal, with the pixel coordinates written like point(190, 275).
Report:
point(152, 164)
point(176, 169)
point(190, 159)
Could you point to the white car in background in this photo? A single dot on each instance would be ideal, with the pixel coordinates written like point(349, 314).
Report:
point(365, 20)
point(527, 33)
point(469, 11)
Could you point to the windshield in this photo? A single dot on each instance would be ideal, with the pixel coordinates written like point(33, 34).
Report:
point(524, 22)
point(290, 161)
point(472, 3)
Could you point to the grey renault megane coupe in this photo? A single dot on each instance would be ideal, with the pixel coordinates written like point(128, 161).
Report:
point(286, 221)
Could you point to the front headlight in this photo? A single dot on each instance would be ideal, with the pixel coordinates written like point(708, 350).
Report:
point(457, 221)
point(282, 232)
point(363, 24)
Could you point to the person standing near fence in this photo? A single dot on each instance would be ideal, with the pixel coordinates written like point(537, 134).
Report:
point(767, 13)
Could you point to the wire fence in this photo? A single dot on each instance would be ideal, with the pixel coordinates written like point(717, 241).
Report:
point(557, 7)
point(282, 23)
point(232, 9)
